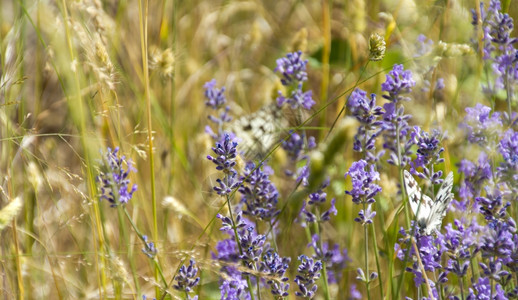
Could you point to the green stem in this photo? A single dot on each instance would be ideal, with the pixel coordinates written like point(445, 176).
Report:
point(143, 15)
point(126, 244)
point(141, 237)
point(274, 238)
point(319, 245)
point(366, 254)
point(376, 255)
point(236, 236)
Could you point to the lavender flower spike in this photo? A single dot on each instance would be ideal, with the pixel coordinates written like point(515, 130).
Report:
point(292, 68)
point(186, 279)
point(114, 178)
point(363, 187)
point(308, 273)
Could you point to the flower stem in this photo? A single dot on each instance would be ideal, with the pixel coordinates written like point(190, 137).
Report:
point(236, 236)
point(375, 243)
point(423, 271)
point(366, 253)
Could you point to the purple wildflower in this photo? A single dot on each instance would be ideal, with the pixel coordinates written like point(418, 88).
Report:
point(317, 199)
point(395, 122)
point(275, 267)
point(186, 279)
point(483, 290)
point(363, 187)
point(365, 216)
point(512, 261)
point(295, 145)
point(481, 126)
point(492, 205)
point(497, 240)
point(234, 286)
point(228, 224)
point(460, 245)
point(226, 251)
point(114, 178)
point(259, 193)
point(398, 82)
point(297, 99)
point(215, 99)
point(354, 294)
point(252, 245)
point(430, 253)
point(493, 270)
point(366, 112)
point(149, 249)
point(508, 169)
point(475, 177)
point(308, 273)
point(428, 154)
point(424, 45)
point(225, 155)
point(292, 68)
point(335, 259)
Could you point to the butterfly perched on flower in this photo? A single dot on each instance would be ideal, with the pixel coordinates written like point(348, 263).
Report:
point(429, 213)
point(258, 132)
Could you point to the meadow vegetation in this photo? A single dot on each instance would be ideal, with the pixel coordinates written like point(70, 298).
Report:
point(258, 149)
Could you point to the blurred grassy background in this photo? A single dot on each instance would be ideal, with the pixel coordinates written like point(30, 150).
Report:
point(73, 83)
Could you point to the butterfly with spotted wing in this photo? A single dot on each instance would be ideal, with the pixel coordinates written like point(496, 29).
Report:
point(429, 213)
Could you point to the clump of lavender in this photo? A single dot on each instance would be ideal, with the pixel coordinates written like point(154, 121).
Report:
point(216, 100)
point(482, 127)
point(498, 48)
point(508, 169)
point(252, 246)
point(395, 123)
point(428, 154)
point(234, 287)
point(308, 273)
point(363, 191)
point(334, 259)
point(275, 267)
point(233, 284)
point(249, 252)
point(259, 194)
point(225, 160)
point(482, 289)
point(366, 112)
point(186, 279)
point(364, 188)
point(296, 146)
point(460, 244)
point(114, 178)
point(293, 71)
point(475, 177)
point(311, 208)
point(429, 255)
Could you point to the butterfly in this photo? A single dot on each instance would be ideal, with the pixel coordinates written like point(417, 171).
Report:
point(429, 213)
point(258, 132)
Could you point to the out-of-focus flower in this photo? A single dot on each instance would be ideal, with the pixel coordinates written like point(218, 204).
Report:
point(377, 47)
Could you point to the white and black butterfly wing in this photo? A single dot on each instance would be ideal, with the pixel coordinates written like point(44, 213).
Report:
point(258, 132)
point(441, 204)
point(421, 204)
point(429, 213)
